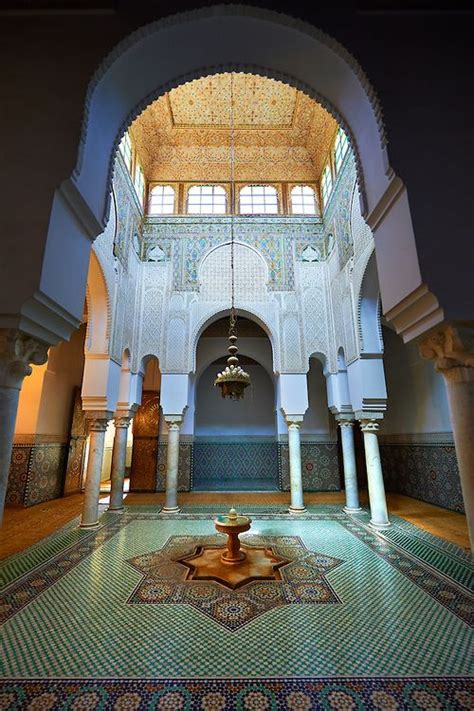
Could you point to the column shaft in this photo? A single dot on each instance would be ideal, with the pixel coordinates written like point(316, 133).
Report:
point(8, 409)
point(172, 462)
point(296, 477)
point(377, 500)
point(90, 511)
point(460, 389)
point(349, 464)
point(119, 454)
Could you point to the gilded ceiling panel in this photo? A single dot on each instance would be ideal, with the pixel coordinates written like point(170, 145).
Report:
point(281, 134)
point(258, 102)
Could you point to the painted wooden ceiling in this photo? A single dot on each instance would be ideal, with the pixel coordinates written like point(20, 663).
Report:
point(280, 133)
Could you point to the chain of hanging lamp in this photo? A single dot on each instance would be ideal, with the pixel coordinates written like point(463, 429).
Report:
point(233, 380)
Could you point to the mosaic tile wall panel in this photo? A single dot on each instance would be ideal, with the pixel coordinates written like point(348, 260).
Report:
point(36, 473)
point(46, 473)
point(73, 480)
point(426, 472)
point(230, 460)
point(185, 466)
point(320, 465)
point(18, 477)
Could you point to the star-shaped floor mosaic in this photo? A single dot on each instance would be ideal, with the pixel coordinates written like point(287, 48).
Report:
point(302, 580)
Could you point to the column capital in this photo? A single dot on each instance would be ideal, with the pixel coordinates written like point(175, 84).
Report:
point(174, 422)
point(122, 421)
point(98, 421)
point(345, 420)
point(18, 352)
point(294, 421)
point(451, 347)
point(368, 425)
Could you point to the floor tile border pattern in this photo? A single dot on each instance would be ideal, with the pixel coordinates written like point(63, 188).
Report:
point(447, 592)
point(454, 693)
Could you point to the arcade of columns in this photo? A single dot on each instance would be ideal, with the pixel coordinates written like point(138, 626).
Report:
point(451, 348)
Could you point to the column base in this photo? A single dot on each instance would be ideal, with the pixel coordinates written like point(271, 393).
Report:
point(116, 509)
point(375, 525)
point(89, 525)
point(348, 510)
point(297, 510)
point(170, 510)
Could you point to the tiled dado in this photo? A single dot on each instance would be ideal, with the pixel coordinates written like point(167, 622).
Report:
point(319, 464)
point(185, 466)
point(250, 460)
point(425, 471)
point(37, 472)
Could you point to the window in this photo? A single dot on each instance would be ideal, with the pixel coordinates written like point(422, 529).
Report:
point(303, 200)
point(125, 148)
point(258, 199)
point(161, 200)
point(206, 200)
point(340, 148)
point(139, 183)
point(326, 183)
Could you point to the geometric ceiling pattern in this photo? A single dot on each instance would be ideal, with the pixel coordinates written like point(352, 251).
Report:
point(280, 133)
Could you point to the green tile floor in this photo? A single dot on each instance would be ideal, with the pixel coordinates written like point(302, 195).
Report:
point(82, 626)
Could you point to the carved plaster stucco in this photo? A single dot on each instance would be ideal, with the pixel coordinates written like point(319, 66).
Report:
point(280, 133)
point(287, 278)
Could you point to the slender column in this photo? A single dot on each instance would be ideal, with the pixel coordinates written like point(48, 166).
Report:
point(377, 500)
point(97, 427)
point(172, 461)
point(17, 351)
point(119, 454)
point(349, 464)
point(296, 478)
point(452, 350)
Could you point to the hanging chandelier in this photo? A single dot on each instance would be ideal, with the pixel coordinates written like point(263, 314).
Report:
point(233, 380)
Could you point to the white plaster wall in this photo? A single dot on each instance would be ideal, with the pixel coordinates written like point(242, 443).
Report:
point(254, 415)
point(316, 419)
point(417, 401)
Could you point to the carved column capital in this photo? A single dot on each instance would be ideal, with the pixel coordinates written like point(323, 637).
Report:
point(294, 421)
point(369, 426)
point(122, 422)
point(174, 422)
point(98, 421)
point(17, 352)
point(451, 347)
point(347, 424)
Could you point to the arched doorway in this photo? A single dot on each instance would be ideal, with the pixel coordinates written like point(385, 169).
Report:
point(235, 447)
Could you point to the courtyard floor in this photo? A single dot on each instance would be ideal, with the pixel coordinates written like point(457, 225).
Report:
point(105, 618)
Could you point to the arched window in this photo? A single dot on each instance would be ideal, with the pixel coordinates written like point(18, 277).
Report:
point(139, 183)
point(161, 200)
point(125, 148)
point(326, 183)
point(340, 148)
point(303, 200)
point(258, 200)
point(206, 200)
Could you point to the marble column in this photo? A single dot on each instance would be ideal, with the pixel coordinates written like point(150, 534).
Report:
point(172, 463)
point(119, 454)
point(349, 464)
point(377, 500)
point(451, 348)
point(296, 477)
point(17, 352)
point(90, 508)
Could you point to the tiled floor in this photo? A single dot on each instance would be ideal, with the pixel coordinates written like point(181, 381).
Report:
point(24, 527)
point(395, 632)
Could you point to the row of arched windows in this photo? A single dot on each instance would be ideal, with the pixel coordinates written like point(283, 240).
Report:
point(212, 200)
point(333, 165)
